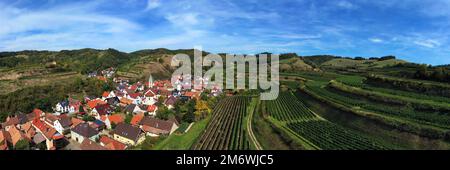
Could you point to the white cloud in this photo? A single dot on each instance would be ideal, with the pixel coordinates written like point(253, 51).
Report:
point(346, 5)
point(376, 40)
point(186, 19)
point(297, 36)
point(428, 43)
point(152, 4)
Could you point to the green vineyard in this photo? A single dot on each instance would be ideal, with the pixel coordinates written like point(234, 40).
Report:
point(226, 130)
point(329, 136)
point(322, 134)
point(288, 108)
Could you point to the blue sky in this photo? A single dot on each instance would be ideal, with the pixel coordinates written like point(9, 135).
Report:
point(414, 30)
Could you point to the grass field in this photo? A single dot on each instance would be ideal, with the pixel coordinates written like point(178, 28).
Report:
point(183, 141)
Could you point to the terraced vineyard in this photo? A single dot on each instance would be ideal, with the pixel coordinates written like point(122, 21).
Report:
point(288, 108)
point(312, 129)
point(407, 111)
point(226, 130)
point(329, 136)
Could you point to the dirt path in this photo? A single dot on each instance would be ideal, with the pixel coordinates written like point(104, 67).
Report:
point(250, 131)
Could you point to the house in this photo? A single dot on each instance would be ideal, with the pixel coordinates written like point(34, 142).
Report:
point(128, 134)
point(192, 95)
point(150, 93)
point(102, 109)
point(164, 92)
point(83, 131)
point(93, 103)
point(16, 135)
point(11, 121)
point(74, 106)
point(38, 138)
point(62, 107)
point(75, 122)
point(102, 78)
point(149, 100)
point(50, 119)
point(91, 145)
point(3, 140)
point(176, 93)
point(121, 87)
point(151, 110)
point(136, 119)
point(28, 129)
point(50, 134)
point(92, 74)
point(98, 125)
point(135, 97)
point(113, 101)
point(133, 88)
point(113, 119)
point(63, 124)
point(38, 113)
point(170, 102)
point(105, 95)
point(124, 102)
point(111, 144)
point(132, 108)
point(23, 119)
point(155, 127)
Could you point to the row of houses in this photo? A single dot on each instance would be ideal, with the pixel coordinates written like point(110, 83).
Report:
point(108, 129)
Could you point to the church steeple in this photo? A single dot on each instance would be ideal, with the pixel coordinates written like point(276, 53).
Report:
point(150, 81)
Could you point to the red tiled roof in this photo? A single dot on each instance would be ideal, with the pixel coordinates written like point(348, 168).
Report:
point(16, 135)
point(3, 138)
point(133, 87)
point(91, 145)
point(50, 118)
point(116, 118)
point(150, 93)
point(125, 100)
point(151, 108)
point(76, 121)
point(46, 130)
point(134, 95)
point(38, 112)
point(102, 78)
point(111, 143)
point(136, 119)
point(105, 94)
point(94, 103)
point(103, 109)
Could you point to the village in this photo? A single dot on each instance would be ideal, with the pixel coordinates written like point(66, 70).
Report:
point(117, 120)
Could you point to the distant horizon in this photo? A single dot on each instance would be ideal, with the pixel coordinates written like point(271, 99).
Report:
point(299, 54)
point(413, 30)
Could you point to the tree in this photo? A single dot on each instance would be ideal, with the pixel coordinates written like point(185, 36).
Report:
point(163, 113)
point(189, 117)
point(22, 145)
point(81, 109)
point(113, 125)
point(128, 118)
point(204, 96)
point(88, 118)
point(201, 109)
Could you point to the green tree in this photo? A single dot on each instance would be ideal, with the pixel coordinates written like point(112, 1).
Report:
point(189, 117)
point(88, 118)
point(22, 145)
point(128, 118)
point(113, 125)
